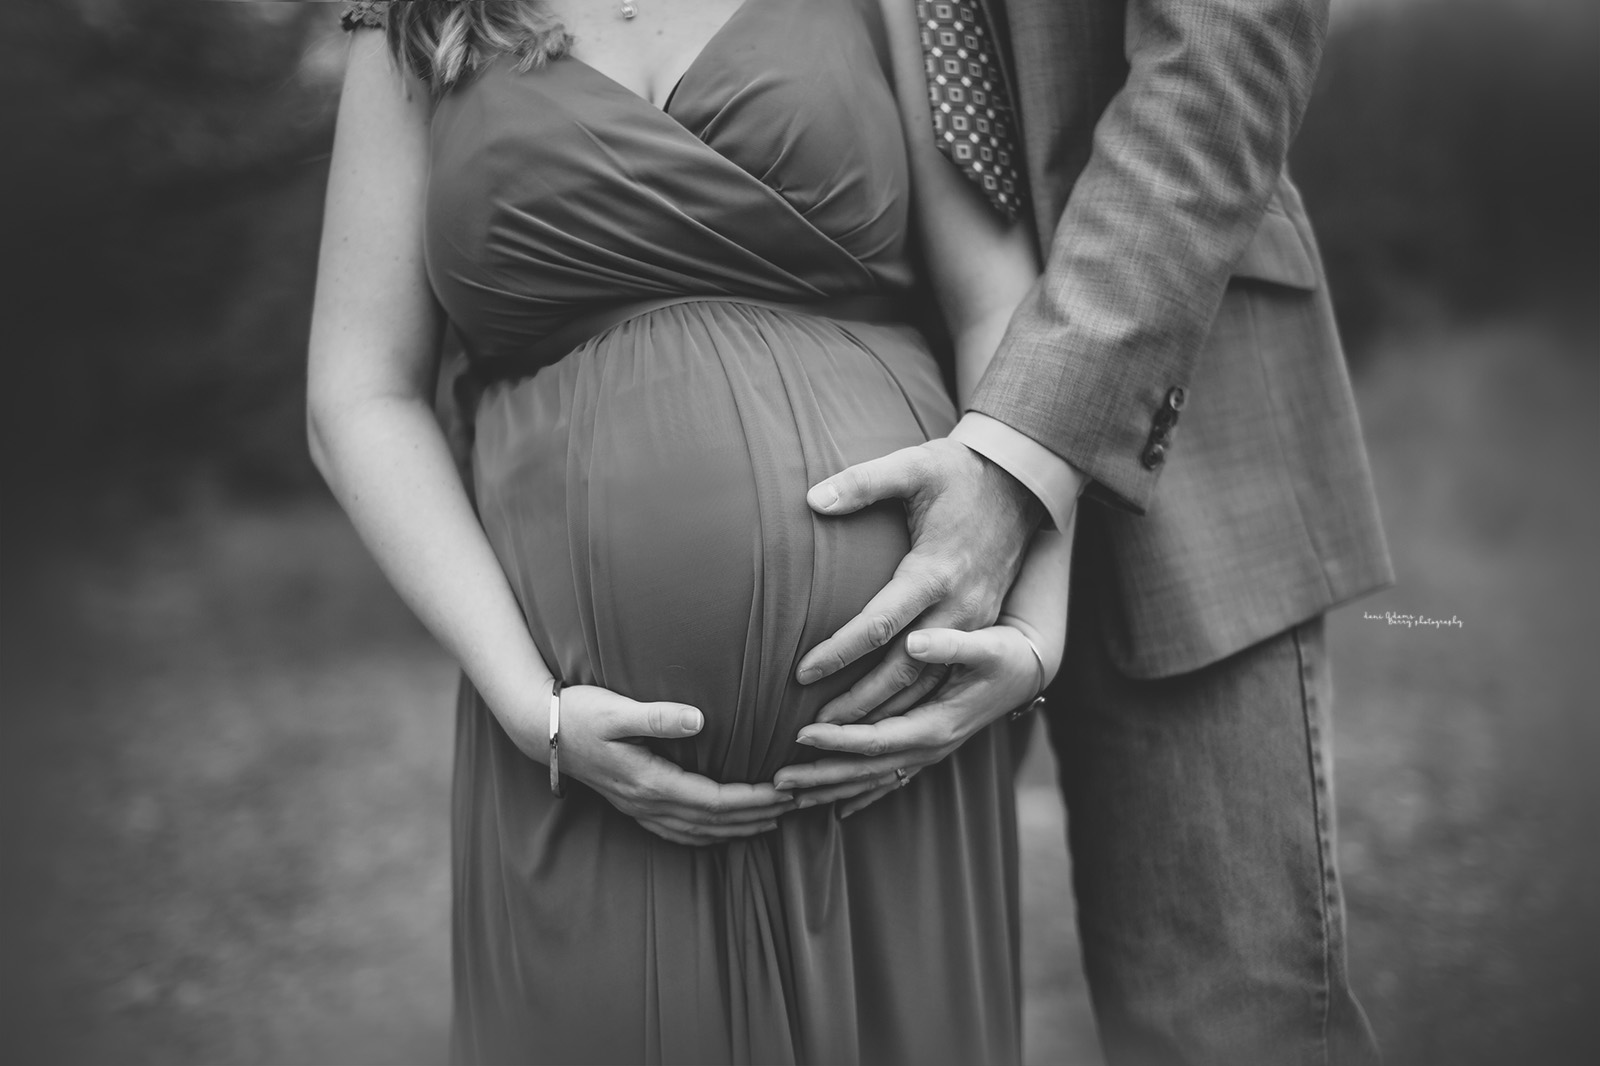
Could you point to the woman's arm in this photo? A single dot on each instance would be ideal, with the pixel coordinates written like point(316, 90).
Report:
point(375, 334)
point(374, 340)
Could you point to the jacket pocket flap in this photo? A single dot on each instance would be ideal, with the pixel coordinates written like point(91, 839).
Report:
point(1278, 254)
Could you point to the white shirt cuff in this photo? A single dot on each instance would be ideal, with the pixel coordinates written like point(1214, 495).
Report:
point(1051, 478)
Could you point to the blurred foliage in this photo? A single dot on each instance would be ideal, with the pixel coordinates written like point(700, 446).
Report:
point(1450, 160)
point(166, 210)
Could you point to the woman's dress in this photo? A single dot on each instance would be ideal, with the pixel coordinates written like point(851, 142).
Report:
point(645, 493)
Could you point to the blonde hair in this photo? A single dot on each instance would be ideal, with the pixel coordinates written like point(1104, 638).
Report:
point(443, 41)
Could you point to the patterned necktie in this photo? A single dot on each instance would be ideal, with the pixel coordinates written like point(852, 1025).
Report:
point(973, 123)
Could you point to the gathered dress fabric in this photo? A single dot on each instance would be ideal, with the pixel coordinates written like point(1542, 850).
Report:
point(644, 491)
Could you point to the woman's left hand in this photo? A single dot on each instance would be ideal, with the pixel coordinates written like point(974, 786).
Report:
point(994, 673)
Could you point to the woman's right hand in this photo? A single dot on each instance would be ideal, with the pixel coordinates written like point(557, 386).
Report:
point(995, 672)
point(600, 746)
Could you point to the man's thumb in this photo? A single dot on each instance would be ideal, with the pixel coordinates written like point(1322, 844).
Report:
point(854, 487)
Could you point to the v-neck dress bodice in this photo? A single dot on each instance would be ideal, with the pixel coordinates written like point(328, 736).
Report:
point(776, 173)
point(644, 491)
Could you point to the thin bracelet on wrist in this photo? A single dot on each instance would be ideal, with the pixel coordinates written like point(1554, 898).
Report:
point(555, 738)
point(1038, 698)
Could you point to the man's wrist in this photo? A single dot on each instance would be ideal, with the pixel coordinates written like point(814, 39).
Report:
point(1049, 479)
point(1026, 502)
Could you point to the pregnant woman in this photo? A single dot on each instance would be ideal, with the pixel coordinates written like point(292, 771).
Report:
point(676, 239)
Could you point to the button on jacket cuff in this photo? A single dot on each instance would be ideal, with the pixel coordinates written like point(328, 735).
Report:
point(1044, 473)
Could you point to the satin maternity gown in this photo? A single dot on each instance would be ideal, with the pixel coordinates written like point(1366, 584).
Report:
point(680, 314)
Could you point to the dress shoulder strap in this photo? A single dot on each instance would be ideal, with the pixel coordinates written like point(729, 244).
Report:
point(359, 13)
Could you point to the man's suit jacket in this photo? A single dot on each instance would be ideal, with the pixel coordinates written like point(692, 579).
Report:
point(1182, 274)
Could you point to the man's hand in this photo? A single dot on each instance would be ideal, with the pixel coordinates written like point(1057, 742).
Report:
point(970, 526)
point(994, 673)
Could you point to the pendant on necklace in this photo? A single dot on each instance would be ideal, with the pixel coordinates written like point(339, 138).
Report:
point(627, 9)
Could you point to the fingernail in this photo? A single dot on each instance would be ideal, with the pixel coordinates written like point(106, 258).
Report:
point(803, 739)
point(807, 674)
point(848, 813)
point(917, 643)
point(769, 827)
point(823, 497)
point(692, 721)
point(804, 803)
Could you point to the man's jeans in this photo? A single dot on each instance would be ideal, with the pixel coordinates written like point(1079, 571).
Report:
point(1202, 836)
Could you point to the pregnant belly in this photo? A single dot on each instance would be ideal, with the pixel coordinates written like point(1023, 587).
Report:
point(646, 497)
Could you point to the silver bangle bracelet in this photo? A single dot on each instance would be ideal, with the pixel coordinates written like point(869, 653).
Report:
point(555, 738)
point(1038, 696)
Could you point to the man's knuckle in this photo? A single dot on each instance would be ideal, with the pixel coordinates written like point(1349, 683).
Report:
point(880, 630)
point(911, 577)
point(905, 674)
point(858, 482)
point(936, 571)
point(974, 605)
point(653, 719)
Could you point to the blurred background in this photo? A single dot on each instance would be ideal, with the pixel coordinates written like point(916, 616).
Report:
point(224, 746)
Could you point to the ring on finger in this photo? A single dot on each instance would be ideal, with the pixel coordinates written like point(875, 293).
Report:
point(904, 778)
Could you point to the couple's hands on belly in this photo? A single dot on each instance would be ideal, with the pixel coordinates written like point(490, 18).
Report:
point(601, 734)
point(992, 672)
point(970, 525)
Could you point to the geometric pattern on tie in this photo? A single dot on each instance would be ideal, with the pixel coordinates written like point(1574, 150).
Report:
point(973, 121)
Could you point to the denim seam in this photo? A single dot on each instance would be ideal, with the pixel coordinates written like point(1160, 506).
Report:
point(1319, 815)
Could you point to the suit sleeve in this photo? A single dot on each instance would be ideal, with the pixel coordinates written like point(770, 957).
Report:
point(1184, 161)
